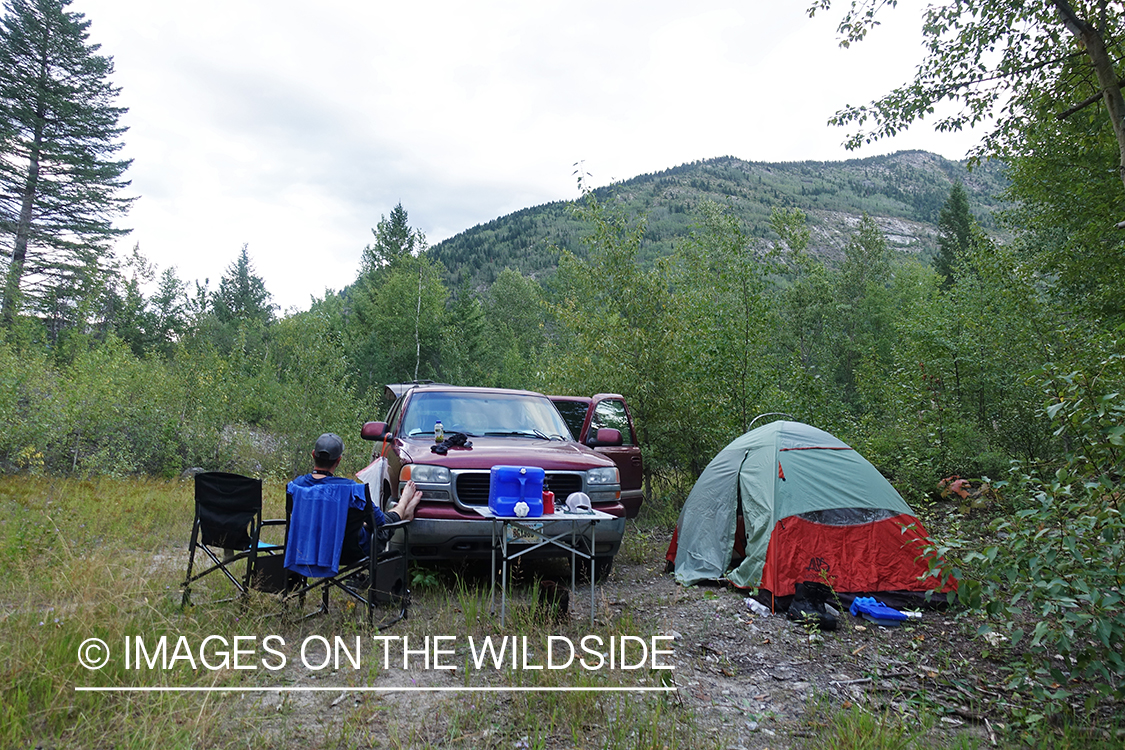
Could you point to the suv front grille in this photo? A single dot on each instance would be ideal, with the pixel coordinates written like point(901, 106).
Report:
point(562, 485)
point(472, 486)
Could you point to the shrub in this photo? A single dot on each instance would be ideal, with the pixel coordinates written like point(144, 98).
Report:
point(1061, 561)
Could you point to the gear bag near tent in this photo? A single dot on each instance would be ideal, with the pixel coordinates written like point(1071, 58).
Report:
point(790, 503)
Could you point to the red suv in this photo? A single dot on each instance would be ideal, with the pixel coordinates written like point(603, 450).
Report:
point(586, 417)
point(504, 427)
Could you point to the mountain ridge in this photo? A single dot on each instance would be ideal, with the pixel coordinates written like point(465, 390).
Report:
point(903, 192)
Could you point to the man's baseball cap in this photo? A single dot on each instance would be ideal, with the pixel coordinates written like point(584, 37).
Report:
point(328, 447)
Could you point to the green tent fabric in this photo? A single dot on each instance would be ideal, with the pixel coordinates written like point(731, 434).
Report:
point(777, 470)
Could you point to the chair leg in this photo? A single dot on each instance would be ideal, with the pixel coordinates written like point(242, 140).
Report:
point(372, 574)
point(185, 600)
point(395, 596)
point(250, 564)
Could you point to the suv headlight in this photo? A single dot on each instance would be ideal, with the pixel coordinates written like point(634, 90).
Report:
point(426, 474)
point(602, 477)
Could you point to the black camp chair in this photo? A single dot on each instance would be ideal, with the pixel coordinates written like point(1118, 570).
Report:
point(372, 577)
point(227, 529)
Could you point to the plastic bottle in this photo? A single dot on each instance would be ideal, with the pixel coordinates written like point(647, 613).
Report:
point(548, 503)
point(439, 432)
point(757, 607)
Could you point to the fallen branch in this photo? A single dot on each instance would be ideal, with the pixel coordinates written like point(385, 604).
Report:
point(963, 691)
point(964, 713)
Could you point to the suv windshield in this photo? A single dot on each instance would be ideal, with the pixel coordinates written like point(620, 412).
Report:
point(478, 414)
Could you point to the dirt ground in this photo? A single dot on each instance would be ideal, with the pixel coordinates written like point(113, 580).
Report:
point(747, 680)
point(759, 679)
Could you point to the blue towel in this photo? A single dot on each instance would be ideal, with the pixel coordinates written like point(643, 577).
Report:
point(316, 525)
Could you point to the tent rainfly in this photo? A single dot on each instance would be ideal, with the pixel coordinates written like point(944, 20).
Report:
point(812, 508)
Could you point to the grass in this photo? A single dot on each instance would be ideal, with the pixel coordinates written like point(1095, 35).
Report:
point(830, 727)
point(79, 558)
point(855, 728)
point(104, 559)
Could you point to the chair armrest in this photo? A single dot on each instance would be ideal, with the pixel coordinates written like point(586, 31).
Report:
point(270, 545)
point(384, 533)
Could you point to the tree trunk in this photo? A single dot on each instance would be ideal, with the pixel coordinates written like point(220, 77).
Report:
point(1092, 39)
point(31, 189)
point(417, 325)
point(23, 232)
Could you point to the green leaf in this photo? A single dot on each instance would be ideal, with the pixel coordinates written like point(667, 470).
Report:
point(1042, 629)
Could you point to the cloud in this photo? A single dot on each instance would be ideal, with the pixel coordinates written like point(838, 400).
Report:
point(293, 126)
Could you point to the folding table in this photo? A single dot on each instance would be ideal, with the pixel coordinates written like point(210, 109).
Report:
point(514, 537)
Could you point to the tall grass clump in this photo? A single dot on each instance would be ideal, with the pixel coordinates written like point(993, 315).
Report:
point(98, 559)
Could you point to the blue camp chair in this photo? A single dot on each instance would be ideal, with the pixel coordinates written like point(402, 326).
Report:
point(372, 576)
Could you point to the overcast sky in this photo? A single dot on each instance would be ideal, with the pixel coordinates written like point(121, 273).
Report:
point(293, 126)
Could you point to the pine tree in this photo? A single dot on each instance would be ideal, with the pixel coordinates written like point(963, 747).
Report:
point(463, 339)
point(242, 294)
point(955, 227)
point(394, 239)
point(59, 181)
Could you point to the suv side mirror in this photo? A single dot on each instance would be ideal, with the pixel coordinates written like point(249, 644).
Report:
point(375, 431)
point(606, 436)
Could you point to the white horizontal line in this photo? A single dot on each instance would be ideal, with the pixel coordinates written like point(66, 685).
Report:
point(365, 689)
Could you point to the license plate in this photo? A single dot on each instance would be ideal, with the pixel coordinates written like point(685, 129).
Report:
point(516, 533)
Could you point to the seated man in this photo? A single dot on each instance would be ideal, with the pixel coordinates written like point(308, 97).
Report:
point(330, 515)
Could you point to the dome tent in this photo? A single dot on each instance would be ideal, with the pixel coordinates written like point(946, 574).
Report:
point(812, 509)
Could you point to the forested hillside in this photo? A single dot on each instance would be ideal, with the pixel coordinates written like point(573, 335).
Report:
point(903, 192)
